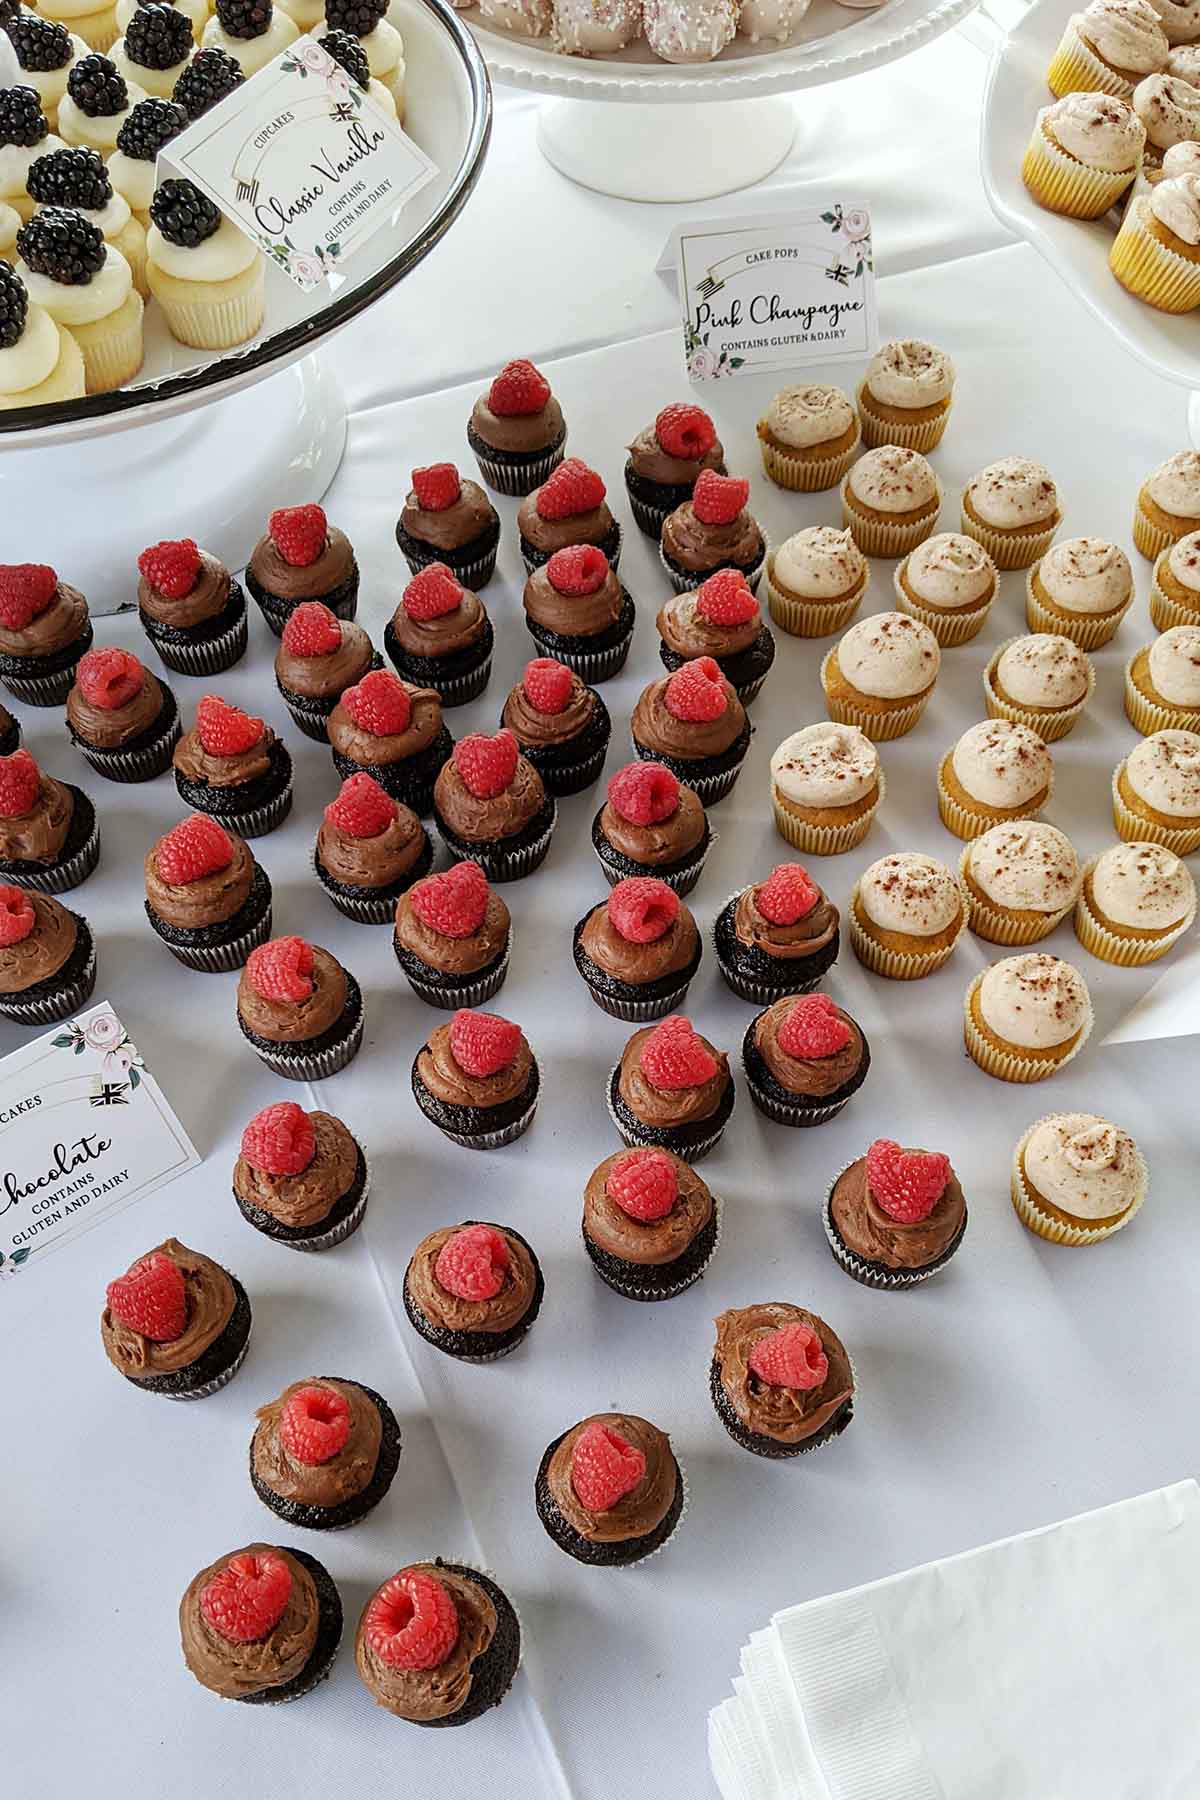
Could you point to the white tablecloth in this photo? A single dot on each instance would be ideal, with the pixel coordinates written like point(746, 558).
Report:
point(1025, 1384)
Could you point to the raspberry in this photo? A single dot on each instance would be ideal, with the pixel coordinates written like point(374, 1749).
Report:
point(281, 969)
point(171, 567)
point(226, 730)
point(696, 691)
point(642, 909)
point(109, 678)
point(907, 1184)
point(361, 808)
point(412, 1622)
point(197, 846)
point(486, 764)
point(26, 589)
point(685, 431)
point(311, 630)
point(572, 488)
point(791, 1357)
point(675, 1056)
point(150, 1298)
point(246, 1599)
point(644, 1184)
point(604, 1467)
point(473, 1263)
point(280, 1139)
point(433, 592)
point(787, 894)
point(314, 1424)
point(299, 533)
point(579, 569)
point(379, 703)
point(20, 784)
point(644, 793)
point(436, 487)
point(813, 1027)
point(518, 390)
point(17, 917)
point(725, 598)
point(718, 499)
point(483, 1043)
point(547, 684)
point(454, 903)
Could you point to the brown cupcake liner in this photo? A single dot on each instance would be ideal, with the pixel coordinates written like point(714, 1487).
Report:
point(810, 618)
point(1164, 611)
point(1058, 1231)
point(964, 822)
point(1110, 946)
point(1009, 550)
point(887, 538)
point(1149, 716)
point(923, 434)
point(1151, 270)
point(808, 475)
point(995, 925)
point(1084, 629)
point(900, 965)
point(1010, 1065)
point(1063, 184)
point(1050, 727)
point(1182, 839)
point(1076, 69)
point(881, 727)
point(874, 1275)
point(826, 840)
point(949, 628)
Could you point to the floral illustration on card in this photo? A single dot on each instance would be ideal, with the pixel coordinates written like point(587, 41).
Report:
point(854, 224)
point(120, 1061)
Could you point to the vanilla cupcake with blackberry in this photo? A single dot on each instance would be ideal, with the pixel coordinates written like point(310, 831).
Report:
point(381, 43)
point(39, 359)
point(86, 285)
point(195, 11)
point(155, 50)
point(46, 52)
point(96, 104)
point(209, 77)
point(251, 32)
point(205, 274)
point(347, 51)
point(24, 135)
point(131, 167)
point(77, 179)
point(10, 224)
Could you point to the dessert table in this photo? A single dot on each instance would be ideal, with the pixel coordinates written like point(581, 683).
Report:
point(1024, 1384)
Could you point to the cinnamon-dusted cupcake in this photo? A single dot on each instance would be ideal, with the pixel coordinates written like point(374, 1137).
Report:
point(561, 725)
point(665, 460)
point(948, 583)
point(1156, 792)
point(49, 838)
point(712, 531)
point(650, 1225)
point(10, 733)
point(577, 611)
point(638, 950)
point(1168, 108)
point(1021, 880)
point(671, 1090)
point(448, 520)
point(694, 722)
point(1136, 901)
point(261, 1625)
point(826, 784)
point(1108, 47)
point(721, 619)
point(206, 897)
point(776, 937)
point(890, 500)
point(1184, 60)
point(1162, 683)
point(191, 608)
point(453, 937)
point(651, 824)
point(804, 1058)
point(438, 1644)
point(490, 804)
point(44, 630)
point(1012, 509)
point(907, 912)
point(516, 429)
point(301, 1178)
point(896, 1216)
point(879, 677)
point(369, 850)
point(325, 1453)
point(234, 768)
point(319, 657)
point(440, 636)
point(815, 581)
point(995, 773)
point(906, 395)
point(1084, 152)
point(384, 728)
point(299, 1009)
point(1168, 509)
point(569, 508)
point(301, 556)
point(477, 1080)
point(176, 1323)
point(610, 1491)
point(473, 1290)
point(808, 437)
point(123, 719)
point(1081, 589)
point(1077, 1178)
point(1043, 681)
point(47, 958)
point(781, 1381)
point(1026, 1016)
point(1175, 589)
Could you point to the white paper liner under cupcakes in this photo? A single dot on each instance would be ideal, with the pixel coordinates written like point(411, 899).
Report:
point(672, 1289)
point(873, 1274)
point(1165, 611)
point(218, 1381)
point(690, 580)
point(965, 823)
point(1149, 716)
point(808, 474)
point(887, 537)
point(212, 324)
point(1050, 726)
point(112, 347)
point(899, 965)
point(810, 618)
point(48, 1009)
point(1011, 1065)
point(1112, 946)
point(881, 725)
point(951, 628)
point(1009, 549)
point(997, 925)
point(212, 656)
point(1058, 1231)
point(826, 840)
point(1063, 184)
point(1149, 269)
point(521, 478)
point(693, 1153)
point(592, 666)
point(1076, 69)
point(1088, 630)
point(922, 435)
point(1182, 839)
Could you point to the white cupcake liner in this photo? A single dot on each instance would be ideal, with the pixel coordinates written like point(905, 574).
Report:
point(65, 875)
point(216, 324)
point(1149, 269)
point(218, 1381)
point(708, 788)
point(1063, 184)
point(808, 474)
point(1149, 716)
point(521, 479)
point(591, 666)
point(1182, 839)
point(1057, 1231)
point(465, 993)
point(52, 1007)
point(641, 1561)
point(1008, 549)
point(211, 657)
point(869, 1274)
point(319, 1066)
point(950, 627)
point(1010, 1065)
point(898, 965)
point(339, 1233)
point(1051, 727)
point(826, 840)
point(534, 563)
point(673, 1290)
point(693, 1154)
point(1110, 946)
point(881, 725)
point(891, 536)
point(995, 925)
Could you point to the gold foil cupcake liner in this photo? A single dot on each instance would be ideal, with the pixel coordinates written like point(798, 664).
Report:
point(1007, 549)
point(808, 475)
point(996, 925)
point(825, 840)
point(1062, 184)
point(1150, 270)
point(968, 824)
point(1010, 1065)
point(880, 726)
point(1165, 611)
point(897, 965)
point(1149, 716)
point(949, 628)
point(1076, 69)
point(810, 618)
point(1087, 630)
point(1182, 839)
point(1058, 1231)
point(887, 538)
point(1110, 946)
point(1152, 540)
point(922, 434)
point(1051, 726)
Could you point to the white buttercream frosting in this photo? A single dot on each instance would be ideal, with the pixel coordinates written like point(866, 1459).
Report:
point(33, 357)
point(804, 416)
point(1013, 494)
point(825, 765)
point(1164, 772)
point(1086, 575)
point(819, 563)
point(219, 258)
point(1181, 159)
point(100, 133)
point(1144, 886)
point(1026, 867)
point(16, 160)
point(253, 54)
point(1180, 19)
point(910, 373)
point(10, 224)
point(1184, 61)
point(1043, 669)
point(1175, 203)
point(1175, 484)
point(107, 290)
point(1001, 764)
point(1084, 1166)
point(950, 571)
point(132, 178)
point(910, 893)
point(1174, 663)
point(893, 480)
point(110, 220)
point(889, 656)
point(1097, 129)
point(1126, 34)
point(1183, 560)
point(1034, 1001)
point(1168, 107)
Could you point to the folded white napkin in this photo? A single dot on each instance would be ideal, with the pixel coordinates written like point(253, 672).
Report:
point(1063, 1664)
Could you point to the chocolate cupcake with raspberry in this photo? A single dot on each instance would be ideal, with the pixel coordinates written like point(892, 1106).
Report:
point(176, 1323)
point(233, 767)
point(369, 850)
point(672, 1090)
point(261, 1625)
point(10, 733)
point(438, 1644)
point(319, 657)
point(392, 732)
point(453, 937)
point(650, 1224)
point(47, 958)
point(123, 719)
point(569, 508)
point(651, 824)
point(577, 611)
point(638, 951)
point(721, 619)
point(477, 1080)
point(610, 1491)
point(301, 556)
point(896, 1216)
point(780, 1380)
point(191, 608)
point(516, 429)
point(778, 936)
point(665, 460)
point(712, 531)
point(560, 724)
point(473, 1290)
point(299, 1009)
point(49, 838)
point(693, 722)
point(301, 1178)
point(206, 897)
point(324, 1454)
point(44, 630)
point(490, 805)
point(440, 636)
point(448, 520)
point(804, 1058)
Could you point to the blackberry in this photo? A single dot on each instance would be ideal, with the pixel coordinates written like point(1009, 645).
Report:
point(345, 49)
point(63, 245)
point(14, 304)
point(69, 178)
point(40, 44)
point(245, 18)
point(183, 214)
point(158, 37)
point(360, 17)
point(150, 125)
point(97, 88)
point(209, 76)
point(22, 120)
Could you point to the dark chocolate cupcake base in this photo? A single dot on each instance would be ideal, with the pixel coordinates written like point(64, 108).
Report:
point(515, 472)
point(45, 680)
point(322, 1055)
point(660, 1281)
point(372, 905)
point(625, 999)
point(410, 781)
point(479, 1127)
point(756, 1441)
point(456, 678)
point(492, 1673)
point(251, 809)
point(348, 1512)
point(780, 1104)
point(311, 715)
point(473, 563)
point(686, 581)
point(342, 601)
point(610, 543)
point(595, 658)
point(602, 1556)
point(324, 1650)
point(75, 861)
point(479, 1346)
point(59, 995)
point(745, 672)
point(218, 949)
point(759, 977)
point(339, 1223)
point(214, 1367)
point(10, 737)
point(681, 875)
point(450, 991)
point(508, 858)
point(572, 765)
point(144, 756)
point(691, 1141)
point(205, 649)
point(711, 777)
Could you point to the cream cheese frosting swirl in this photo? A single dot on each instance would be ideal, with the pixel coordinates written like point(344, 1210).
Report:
point(1034, 1001)
point(1174, 663)
point(1100, 130)
point(1143, 886)
point(1026, 867)
point(889, 656)
point(220, 257)
point(910, 373)
point(819, 563)
point(825, 765)
point(804, 416)
point(1175, 203)
point(1083, 1165)
point(34, 356)
point(1169, 108)
point(950, 571)
point(1175, 484)
point(1164, 772)
point(1183, 560)
point(1043, 669)
point(1180, 20)
point(909, 893)
point(1013, 494)
point(108, 289)
point(893, 480)
point(1182, 159)
point(1001, 764)
point(1125, 34)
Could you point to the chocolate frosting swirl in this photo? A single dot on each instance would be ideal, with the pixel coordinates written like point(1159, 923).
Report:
point(519, 433)
point(364, 747)
point(195, 763)
point(789, 943)
point(324, 677)
point(650, 1242)
point(637, 963)
point(684, 629)
point(422, 1695)
point(309, 581)
point(109, 728)
point(572, 615)
point(325, 1484)
point(653, 463)
point(787, 1414)
point(667, 841)
point(39, 834)
point(814, 1077)
point(234, 1670)
point(450, 631)
point(43, 953)
point(451, 1313)
point(451, 955)
point(210, 1302)
point(875, 1236)
point(375, 861)
point(537, 730)
point(483, 821)
point(299, 1201)
point(454, 1087)
point(589, 527)
point(635, 1513)
point(61, 623)
point(659, 731)
point(674, 1106)
point(296, 1021)
point(210, 900)
point(208, 596)
point(453, 526)
point(693, 544)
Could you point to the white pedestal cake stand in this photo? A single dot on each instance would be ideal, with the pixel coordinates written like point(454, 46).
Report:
point(205, 446)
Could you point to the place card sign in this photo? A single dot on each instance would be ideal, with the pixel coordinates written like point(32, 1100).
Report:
point(302, 159)
point(84, 1129)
